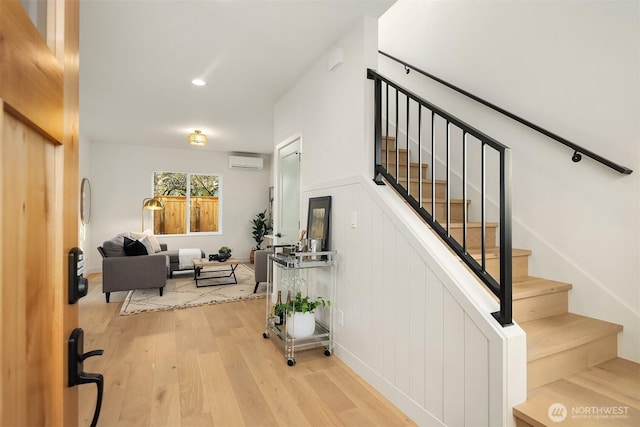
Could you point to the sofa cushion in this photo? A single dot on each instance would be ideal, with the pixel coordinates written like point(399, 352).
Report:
point(114, 247)
point(134, 247)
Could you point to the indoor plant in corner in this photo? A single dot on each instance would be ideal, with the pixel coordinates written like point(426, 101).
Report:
point(301, 321)
point(261, 228)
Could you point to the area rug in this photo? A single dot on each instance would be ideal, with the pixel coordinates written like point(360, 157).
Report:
point(181, 292)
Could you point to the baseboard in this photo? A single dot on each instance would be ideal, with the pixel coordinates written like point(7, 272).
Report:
point(403, 402)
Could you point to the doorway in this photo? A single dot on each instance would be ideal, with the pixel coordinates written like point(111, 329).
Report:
point(288, 191)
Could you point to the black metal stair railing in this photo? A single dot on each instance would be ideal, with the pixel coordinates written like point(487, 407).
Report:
point(463, 148)
point(578, 151)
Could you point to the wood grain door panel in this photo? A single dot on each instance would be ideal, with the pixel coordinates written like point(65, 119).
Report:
point(38, 216)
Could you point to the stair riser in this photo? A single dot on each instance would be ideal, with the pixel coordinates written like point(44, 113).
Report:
point(474, 237)
point(551, 368)
point(521, 423)
point(519, 267)
point(441, 189)
point(390, 164)
point(391, 142)
point(441, 211)
point(402, 171)
point(540, 306)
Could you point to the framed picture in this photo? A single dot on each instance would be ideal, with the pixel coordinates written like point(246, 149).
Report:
point(318, 220)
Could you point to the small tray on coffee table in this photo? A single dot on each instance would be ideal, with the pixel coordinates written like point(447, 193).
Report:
point(199, 274)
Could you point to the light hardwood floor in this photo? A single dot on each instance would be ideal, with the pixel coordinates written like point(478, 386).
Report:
point(210, 365)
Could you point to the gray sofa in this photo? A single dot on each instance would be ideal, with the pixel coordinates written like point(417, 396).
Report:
point(122, 273)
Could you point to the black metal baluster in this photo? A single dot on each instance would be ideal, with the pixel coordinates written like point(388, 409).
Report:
point(407, 154)
point(433, 165)
point(386, 166)
point(419, 155)
point(483, 205)
point(448, 178)
point(464, 190)
point(397, 142)
point(377, 177)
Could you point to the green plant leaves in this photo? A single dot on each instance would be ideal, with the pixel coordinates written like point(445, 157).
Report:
point(301, 304)
point(261, 227)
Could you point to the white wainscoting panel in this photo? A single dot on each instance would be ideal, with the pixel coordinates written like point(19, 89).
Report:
point(417, 326)
point(418, 341)
point(454, 366)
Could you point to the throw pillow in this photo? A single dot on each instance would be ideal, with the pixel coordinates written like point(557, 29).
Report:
point(113, 247)
point(134, 247)
point(155, 244)
point(134, 235)
point(147, 245)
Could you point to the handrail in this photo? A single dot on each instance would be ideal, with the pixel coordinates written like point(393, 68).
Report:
point(391, 171)
point(578, 150)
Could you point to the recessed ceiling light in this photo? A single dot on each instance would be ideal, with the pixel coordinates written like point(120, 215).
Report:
point(198, 82)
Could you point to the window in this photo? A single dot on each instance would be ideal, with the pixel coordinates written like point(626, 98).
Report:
point(191, 203)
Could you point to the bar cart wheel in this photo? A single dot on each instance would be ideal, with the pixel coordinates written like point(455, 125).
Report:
point(327, 352)
point(265, 335)
point(291, 361)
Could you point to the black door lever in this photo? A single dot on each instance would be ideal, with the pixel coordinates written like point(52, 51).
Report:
point(76, 371)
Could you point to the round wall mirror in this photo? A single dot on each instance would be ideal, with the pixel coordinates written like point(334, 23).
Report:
point(85, 201)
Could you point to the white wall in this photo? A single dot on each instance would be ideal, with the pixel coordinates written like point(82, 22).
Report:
point(122, 176)
point(325, 107)
point(572, 68)
point(417, 326)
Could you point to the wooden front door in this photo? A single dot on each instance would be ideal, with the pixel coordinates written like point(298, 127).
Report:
point(39, 212)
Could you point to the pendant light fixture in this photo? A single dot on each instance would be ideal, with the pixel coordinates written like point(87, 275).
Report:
point(197, 138)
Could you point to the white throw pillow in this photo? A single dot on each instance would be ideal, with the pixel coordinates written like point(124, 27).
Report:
point(133, 235)
point(155, 244)
point(147, 244)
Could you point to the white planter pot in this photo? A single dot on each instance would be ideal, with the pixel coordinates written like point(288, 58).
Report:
point(301, 325)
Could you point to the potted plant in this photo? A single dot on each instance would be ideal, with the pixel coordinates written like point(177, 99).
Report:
point(261, 228)
point(301, 321)
point(224, 253)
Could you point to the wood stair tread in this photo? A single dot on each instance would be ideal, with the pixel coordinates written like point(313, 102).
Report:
point(494, 253)
point(412, 164)
point(617, 378)
point(452, 201)
point(473, 224)
point(534, 286)
point(555, 334)
point(618, 388)
point(424, 180)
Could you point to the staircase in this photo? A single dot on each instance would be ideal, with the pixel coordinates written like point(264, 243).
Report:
point(574, 376)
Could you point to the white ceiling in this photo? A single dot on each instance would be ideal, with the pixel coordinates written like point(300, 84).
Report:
point(137, 60)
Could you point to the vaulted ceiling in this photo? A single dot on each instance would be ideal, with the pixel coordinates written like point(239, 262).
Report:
point(138, 58)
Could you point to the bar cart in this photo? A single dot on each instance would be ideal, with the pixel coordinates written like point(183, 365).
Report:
point(307, 273)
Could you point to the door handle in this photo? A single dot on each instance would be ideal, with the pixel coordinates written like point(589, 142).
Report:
point(76, 371)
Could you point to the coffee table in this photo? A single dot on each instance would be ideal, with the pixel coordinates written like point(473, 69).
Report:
point(200, 263)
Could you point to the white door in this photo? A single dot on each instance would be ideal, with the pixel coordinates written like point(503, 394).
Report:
point(288, 192)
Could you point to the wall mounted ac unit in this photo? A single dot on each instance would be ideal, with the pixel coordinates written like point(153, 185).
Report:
point(246, 163)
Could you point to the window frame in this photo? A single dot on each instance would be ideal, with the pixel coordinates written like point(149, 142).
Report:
point(188, 203)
